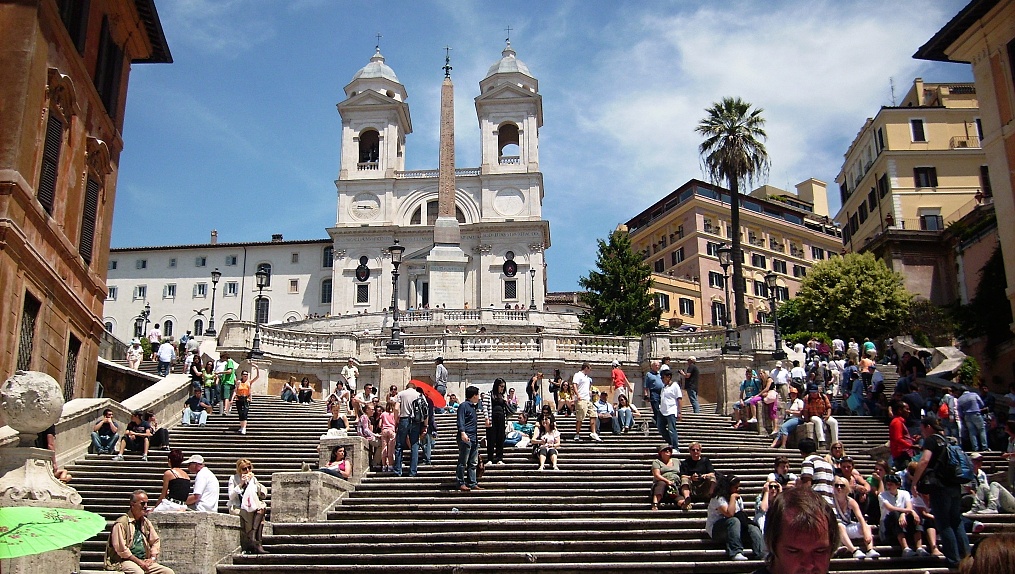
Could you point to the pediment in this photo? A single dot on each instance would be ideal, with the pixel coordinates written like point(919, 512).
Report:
point(370, 98)
point(507, 92)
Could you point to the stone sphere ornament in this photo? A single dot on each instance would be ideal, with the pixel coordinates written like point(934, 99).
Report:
point(31, 401)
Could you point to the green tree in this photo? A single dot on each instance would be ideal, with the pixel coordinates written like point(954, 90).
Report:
point(734, 152)
point(618, 293)
point(855, 295)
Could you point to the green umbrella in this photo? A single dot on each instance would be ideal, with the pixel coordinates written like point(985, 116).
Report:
point(27, 530)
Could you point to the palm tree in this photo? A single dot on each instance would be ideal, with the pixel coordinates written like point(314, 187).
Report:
point(733, 151)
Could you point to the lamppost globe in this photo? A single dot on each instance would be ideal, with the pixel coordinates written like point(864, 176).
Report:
point(395, 346)
point(724, 251)
point(215, 276)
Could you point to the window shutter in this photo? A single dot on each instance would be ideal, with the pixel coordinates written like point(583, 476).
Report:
point(50, 162)
point(88, 217)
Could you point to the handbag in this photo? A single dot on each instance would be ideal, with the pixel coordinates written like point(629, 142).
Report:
point(853, 402)
point(251, 501)
point(771, 396)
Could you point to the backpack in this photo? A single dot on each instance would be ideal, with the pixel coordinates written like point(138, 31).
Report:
point(420, 409)
point(942, 411)
point(955, 467)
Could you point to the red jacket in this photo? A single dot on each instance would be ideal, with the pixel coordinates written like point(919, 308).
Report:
point(899, 440)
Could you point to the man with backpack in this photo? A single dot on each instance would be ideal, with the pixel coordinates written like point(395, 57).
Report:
point(410, 423)
point(943, 484)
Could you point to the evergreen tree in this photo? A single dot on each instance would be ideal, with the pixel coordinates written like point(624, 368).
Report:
point(618, 293)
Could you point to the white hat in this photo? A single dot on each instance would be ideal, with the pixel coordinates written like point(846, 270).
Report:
point(692, 359)
point(664, 368)
point(616, 363)
point(194, 459)
point(135, 341)
point(778, 364)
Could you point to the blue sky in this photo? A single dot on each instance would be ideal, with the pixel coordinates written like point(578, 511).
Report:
point(241, 134)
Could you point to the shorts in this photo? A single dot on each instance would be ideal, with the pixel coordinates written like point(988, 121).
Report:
point(547, 451)
point(584, 410)
point(227, 392)
point(854, 531)
point(702, 488)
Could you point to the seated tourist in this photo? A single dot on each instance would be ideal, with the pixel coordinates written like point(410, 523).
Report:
point(769, 492)
point(665, 474)
point(697, 477)
point(160, 435)
point(818, 410)
point(781, 473)
point(728, 522)
point(794, 408)
point(858, 487)
point(105, 433)
point(984, 496)
point(548, 442)
point(512, 401)
point(606, 414)
point(566, 399)
point(520, 432)
point(306, 392)
point(289, 394)
point(338, 466)
point(852, 525)
point(899, 521)
point(921, 504)
point(136, 438)
point(196, 409)
point(338, 419)
point(453, 403)
point(743, 411)
point(626, 413)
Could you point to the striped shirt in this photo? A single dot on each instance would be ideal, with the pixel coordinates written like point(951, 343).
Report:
point(822, 475)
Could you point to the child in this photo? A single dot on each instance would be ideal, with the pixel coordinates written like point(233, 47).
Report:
point(898, 519)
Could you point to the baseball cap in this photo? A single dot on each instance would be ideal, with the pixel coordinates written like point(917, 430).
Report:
point(194, 459)
point(616, 363)
point(664, 368)
point(812, 388)
point(778, 363)
point(663, 447)
point(975, 456)
point(692, 359)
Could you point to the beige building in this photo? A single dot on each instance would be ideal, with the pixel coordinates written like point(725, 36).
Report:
point(913, 169)
point(65, 67)
point(983, 34)
point(782, 232)
point(679, 299)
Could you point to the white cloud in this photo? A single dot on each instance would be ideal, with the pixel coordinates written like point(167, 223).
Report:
point(222, 27)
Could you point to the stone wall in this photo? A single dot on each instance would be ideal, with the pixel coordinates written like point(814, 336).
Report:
point(195, 542)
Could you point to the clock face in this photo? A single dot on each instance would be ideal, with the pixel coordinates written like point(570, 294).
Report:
point(365, 206)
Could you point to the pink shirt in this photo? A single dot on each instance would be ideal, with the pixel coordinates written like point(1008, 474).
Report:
point(387, 421)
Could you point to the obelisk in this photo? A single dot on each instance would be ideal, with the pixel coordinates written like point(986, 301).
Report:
point(446, 262)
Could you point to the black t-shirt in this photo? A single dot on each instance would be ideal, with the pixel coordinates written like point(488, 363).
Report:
point(106, 429)
point(691, 382)
point(196, 404)
point(700, 467)
point(915, 402)
point(140, 428)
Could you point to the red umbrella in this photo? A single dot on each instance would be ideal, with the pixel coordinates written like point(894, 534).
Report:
point(431, 393)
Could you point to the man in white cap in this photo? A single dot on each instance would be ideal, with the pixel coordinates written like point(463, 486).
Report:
point(350, 372)
point(781, 378)
point(620, 386)
point(205, 497)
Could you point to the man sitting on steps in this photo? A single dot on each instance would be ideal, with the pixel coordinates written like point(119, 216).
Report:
point(606, 414)
point(697, 477)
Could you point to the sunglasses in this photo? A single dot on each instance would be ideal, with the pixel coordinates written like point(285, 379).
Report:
point(141, 504)
point(840, 486)
point(246, 468)
point(694, 450)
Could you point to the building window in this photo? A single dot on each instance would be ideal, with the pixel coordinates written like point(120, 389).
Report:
point(779, 266)
point(872, 199)
point(230, 260)
point(759, 261)
point(431, 214)
point(662, 241)
point(362, 294)
point(141, 264)
point(231, 289)
point(718, 313)
point(659, 265)
point(862, 212)
point(112, 265)
point(167, 328)
point(200, 261)
point(294, 285)
point(261, 310)
point(817, 252)
point(916, 130)
point(932, 222)
point(169, 291)
point(883, 186)
point(74, 14)
point(662, 301)
point(760, 289)
point(979, 130)
point(266, 267)
point(677, 256)
point(198, 327)
point(879, 140)
point(328, 257)
point(172, 263)
point(715, 280)
point(70, 374)
point(89, 215)
point(26, 343)
point(140, 292)
point(295, 258)
point(925, 176)
point(201, 290)
point(46, 192)
point(709, 227)
point(511, 289)
point(712, 249)
point(680, 232)
point(108, 67)
point(781, 293)
point(985, 181)
point(686, 306)
point(326, 292)
point(109, 327)
point(854, 224)
point(111, 296)
point(369, 149)
point(799, 271)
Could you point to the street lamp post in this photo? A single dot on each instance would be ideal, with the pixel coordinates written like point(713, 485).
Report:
point(771, 283)
point(215, 276)
point(141, 323)
point(532, 289)
point(395, 345)
point(262, 280)
point(725, 260)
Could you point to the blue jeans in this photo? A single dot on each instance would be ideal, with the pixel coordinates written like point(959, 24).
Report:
point(428, 440)
point(104, 444)
point(212, 394)
point(670, 434)
point(975, 430)
point(946, 507)
point(468, 461)
point(164, 368)
point(728, 530)
point(657, 415)
point(692, 395)
point(788, 427)
point(407, 430)
point(626, 417)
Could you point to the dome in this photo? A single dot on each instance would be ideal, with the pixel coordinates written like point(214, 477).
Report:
point(376, 69)
point(508, 63)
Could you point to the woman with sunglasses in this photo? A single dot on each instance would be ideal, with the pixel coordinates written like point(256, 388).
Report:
point(246, 499)
point(852, 525)
point(764, 500)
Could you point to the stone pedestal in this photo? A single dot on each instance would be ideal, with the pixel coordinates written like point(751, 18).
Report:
point(259, 369)
point(395, 370)
point(446, 265)
point(356, 452)
point(729, 373)
point(305, 496)
point(194, 542)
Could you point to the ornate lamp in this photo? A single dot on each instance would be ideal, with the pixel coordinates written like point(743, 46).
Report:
point(395, 346)
point(771, 282)
point(262, 281)
point(215, 276)
point(725, 253)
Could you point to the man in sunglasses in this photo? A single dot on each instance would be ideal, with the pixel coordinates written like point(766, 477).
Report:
point(133, 544)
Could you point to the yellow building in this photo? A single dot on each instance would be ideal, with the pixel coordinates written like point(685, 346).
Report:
point(680, 234)
point(983, 34)
point(65, 68)
point(913, 169)
point(679, 299)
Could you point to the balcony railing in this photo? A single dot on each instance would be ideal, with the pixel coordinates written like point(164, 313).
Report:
point(971, 142)
point(510, 160)
point(432, 173)
point(367, 166)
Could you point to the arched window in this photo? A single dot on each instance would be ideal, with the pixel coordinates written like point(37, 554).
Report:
point(326, 292)
point(507, 144)
point(261, 310)
point(431, 214)
point(198, 327)
point(328, 258)
point(369, 149)
point(167, 328)
point(109, 327)
point(266, 267)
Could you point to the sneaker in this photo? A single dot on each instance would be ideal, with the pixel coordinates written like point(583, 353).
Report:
point(540, 469)
point(595, 437)
point(243, 431)
point(739, 557)
point(859, 554)
point(987, 511)
point(908, 553)
point(144, 457)
point(118, 457)
point(555, 467)
point(977, 527)
point(752, 420)
point(577, 438)
point(873, 554)
point(498, 463)
point(922, 552)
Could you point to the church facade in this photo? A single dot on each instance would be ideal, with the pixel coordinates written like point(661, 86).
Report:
point(497, 205)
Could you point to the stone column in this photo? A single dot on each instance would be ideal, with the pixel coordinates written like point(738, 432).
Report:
point(395, 370)
point(259, 370)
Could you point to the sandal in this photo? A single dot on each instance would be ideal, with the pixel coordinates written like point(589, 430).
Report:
point(655, 507)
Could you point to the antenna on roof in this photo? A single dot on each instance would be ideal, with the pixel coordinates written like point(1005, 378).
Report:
point(891, 83)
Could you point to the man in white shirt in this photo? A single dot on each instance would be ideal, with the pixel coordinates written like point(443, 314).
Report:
point(669, 406)
point(582, 383)
point(350, 373)
point(798, 375)
point(838, 346)
point(205, 497)
point(166, 355)
point(364, 397)
point(606, 414)
point(781, 378)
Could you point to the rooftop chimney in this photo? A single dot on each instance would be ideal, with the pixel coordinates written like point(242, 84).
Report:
point(214, 236)
point(276, 237)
